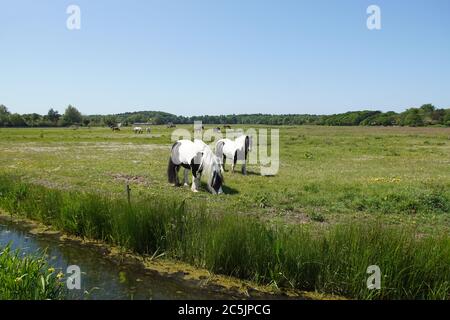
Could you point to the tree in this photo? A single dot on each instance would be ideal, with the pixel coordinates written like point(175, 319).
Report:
point(110, 121)
point(86, 121)
point(72, 116)
point(16, 120)
point(3, 110)
point(4, 115)
point(413, 118)
point(426, 112)
point(32, 119)
point(447, 117)
point(427, 108)
point(156, 120)
point(53, 115)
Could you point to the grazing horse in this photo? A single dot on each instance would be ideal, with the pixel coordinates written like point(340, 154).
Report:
point(138, 130)
point(199, 159)
point(113, 128)
point(236, 150)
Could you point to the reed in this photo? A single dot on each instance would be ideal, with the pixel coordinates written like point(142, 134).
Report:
point(27, 277)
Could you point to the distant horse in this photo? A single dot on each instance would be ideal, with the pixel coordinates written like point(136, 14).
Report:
point(138, 130)
point(198, 158)
point(114, 128)
point(236, 150)
point(226, 127)
point(171, 125)
point(148, 130)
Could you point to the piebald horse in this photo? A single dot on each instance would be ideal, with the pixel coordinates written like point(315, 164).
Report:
point(198, 158)
point(138, 130)
point(236, 150)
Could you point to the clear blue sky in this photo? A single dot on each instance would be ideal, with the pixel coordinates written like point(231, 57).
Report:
point(192, 57)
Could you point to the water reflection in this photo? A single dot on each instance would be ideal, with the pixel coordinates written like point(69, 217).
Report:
point(101, 278)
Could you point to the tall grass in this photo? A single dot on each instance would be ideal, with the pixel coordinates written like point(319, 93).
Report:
point(332, 261)
point(27, 278)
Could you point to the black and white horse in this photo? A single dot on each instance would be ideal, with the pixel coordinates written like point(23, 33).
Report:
point(138, 130)
point(198, 158)
point(235, 150)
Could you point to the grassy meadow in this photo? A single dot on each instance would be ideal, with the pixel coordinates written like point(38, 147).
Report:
point(344, 198)
point(327, 174)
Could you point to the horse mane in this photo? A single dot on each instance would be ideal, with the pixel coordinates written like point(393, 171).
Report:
point(210, 164)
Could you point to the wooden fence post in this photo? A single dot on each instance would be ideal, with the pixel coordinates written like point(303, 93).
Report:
point(128, 189)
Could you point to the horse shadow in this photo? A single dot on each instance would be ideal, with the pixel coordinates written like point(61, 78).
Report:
point(249, 173)
point(225, 189)
point(252, 173)
point(229, 190)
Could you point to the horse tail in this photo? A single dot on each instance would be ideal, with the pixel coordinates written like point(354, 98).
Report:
point(172, 167)
point(219, 149)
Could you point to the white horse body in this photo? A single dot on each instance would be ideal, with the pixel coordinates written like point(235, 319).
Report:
point(188, 150)
point(234, 150)
point(230, 147)
point(199, 158)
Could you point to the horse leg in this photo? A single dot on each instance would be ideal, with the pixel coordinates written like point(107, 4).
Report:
point(196, 177)
point(244, 169)
point(177, 180)
point(195, 183)
point(234, 162)
point(224, 161)
point(244, 165)
point(186, 177)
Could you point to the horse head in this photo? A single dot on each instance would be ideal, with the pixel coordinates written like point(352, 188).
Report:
point(214, 169)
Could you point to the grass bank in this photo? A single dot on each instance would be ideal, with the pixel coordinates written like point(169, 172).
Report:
point(27, 277)
point(331, 261)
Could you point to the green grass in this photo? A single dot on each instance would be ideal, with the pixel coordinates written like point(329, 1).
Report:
point(374, 195)
point(327, 174)
point(328, 260)
point(27, 277)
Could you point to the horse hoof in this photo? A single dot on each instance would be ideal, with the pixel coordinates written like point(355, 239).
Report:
point(194, 190)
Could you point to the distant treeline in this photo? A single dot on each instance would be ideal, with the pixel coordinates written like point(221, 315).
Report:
point(415, 117)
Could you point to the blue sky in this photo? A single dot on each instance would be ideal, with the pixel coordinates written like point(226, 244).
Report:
point(193, 57)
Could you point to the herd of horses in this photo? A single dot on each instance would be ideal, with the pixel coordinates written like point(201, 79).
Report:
point(140, 130)
point(197, 158)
